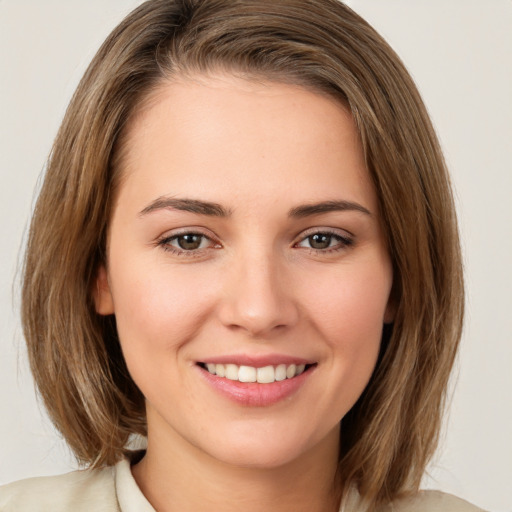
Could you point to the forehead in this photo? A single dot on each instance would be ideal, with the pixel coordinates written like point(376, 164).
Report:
point(196, 135)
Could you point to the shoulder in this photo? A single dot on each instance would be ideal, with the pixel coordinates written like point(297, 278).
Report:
point(431, 501)
point(92, 489)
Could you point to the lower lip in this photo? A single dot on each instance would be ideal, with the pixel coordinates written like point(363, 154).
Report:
point(255, 394)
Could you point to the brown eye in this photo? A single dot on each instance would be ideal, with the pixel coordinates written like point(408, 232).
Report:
point(188, 244)
point(324, 241)
point(320, 240)
point(189, 241)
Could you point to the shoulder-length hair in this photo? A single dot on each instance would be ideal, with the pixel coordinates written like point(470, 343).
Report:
point(390, 434)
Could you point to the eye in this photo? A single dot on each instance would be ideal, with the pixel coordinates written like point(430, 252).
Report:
point(188, 242)
point(325, 241)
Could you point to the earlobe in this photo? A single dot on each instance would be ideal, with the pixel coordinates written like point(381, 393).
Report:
point(101, 293)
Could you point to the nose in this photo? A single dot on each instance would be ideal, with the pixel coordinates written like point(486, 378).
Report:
point(258, 297)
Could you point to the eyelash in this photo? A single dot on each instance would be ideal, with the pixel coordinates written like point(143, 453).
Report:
point(344, 242)
point(165, 242)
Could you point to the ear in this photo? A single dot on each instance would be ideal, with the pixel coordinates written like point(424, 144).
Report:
point(101, 293)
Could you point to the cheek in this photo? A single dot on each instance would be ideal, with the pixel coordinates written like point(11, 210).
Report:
point(351, 304)
point(157, 314)
point(156, 308)
point(348, 310)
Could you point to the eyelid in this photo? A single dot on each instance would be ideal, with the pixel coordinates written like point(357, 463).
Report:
point(345, 237)
point(325, 229)
point(163, 241)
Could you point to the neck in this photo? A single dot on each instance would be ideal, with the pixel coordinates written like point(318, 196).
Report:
point(176, 476)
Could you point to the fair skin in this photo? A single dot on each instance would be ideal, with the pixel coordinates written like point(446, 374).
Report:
point(217, 256)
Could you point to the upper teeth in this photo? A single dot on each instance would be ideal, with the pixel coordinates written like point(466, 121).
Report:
point(264, 375)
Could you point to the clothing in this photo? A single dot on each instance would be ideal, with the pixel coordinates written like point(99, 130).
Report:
point(113, 489)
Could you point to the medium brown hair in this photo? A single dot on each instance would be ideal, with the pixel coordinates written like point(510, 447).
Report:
point(390, 434)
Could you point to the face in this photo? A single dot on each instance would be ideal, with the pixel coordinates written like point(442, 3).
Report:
point(247, 268)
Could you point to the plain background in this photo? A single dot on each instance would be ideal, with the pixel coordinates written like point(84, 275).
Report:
point(460, 54)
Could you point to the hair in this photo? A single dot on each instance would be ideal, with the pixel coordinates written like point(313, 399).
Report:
point(392, 431)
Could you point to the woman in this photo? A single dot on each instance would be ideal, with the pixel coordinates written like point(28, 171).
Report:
point(245, 248)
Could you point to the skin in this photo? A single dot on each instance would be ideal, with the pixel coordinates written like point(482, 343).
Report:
point(258, 284)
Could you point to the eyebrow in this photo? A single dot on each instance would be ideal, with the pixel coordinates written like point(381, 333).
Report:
point(187, 205)
point(307, 210)
point(216, 210)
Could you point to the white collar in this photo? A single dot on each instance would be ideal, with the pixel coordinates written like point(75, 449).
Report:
point(129, 495)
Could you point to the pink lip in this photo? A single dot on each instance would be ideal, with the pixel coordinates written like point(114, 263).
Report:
point(257, 361)
point(254, 394)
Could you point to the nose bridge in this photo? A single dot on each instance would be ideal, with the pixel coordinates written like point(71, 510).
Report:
point(256, 297)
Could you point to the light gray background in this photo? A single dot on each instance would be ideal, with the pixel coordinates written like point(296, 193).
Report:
point(460, 54)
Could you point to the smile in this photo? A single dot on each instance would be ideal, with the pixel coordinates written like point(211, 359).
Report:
point(264, 375)
point(256, 381)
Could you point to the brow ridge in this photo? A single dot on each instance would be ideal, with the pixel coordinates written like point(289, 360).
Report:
point(307, 210)
point(216, 210)
point(187, 205)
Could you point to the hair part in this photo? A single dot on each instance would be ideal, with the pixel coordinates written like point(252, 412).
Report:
point(392, 431)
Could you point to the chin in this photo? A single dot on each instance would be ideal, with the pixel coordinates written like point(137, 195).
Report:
point(258, 458)
point(266, 451)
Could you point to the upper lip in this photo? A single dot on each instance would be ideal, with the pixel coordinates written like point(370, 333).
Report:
point(256, 361)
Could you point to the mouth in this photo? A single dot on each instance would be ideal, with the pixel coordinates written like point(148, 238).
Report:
point(251, 374)
point(263, 384)
point(259, 381)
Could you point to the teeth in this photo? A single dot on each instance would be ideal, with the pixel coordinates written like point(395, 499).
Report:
point(290, 371)
point(281, 372)
point(232, 372)
point(247, 374)
point(264, 375)
point(220, 370)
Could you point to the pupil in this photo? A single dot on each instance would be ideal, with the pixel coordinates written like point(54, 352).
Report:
point(189, 242)
point(320, 241)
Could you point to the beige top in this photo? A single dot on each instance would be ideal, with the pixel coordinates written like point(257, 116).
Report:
point(113, 489)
